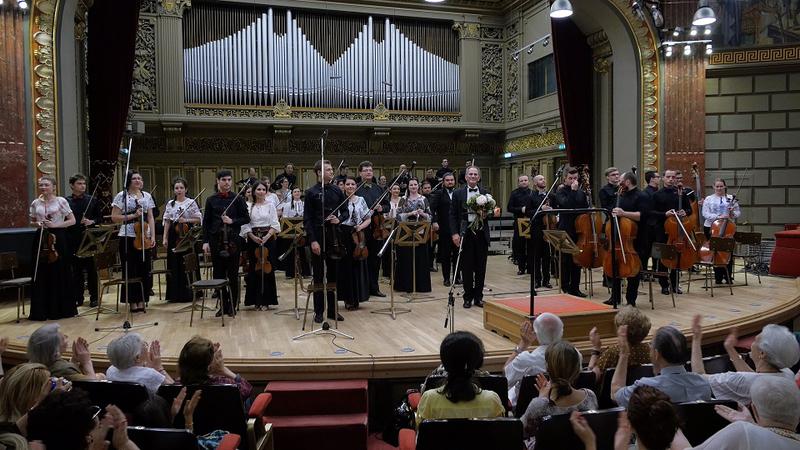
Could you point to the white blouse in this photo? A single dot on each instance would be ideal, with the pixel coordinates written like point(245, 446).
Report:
point(146, 201)
point(358, 210)
point(392, 214)
point(262, 215)
point(173, 212)
point(57, 209)
point(293, 208)
point(715, 207)
point(272, 198)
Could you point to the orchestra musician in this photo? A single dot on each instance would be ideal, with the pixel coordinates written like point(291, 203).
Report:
point(430, 178)
point(653, 180)
point(221, 236)
point(292, 209)
point(352, 286)
point(260, 234)
point(288, 173)
point(476, 244)
point(390, 213)
point(569, 196)
point(633, 204)
point(371, 192)
point(664, 202)
point(516, 205)
point(252, 177)
point(442, 171)
point(52, 215)
point(283, 193)
point(717, 206)
point(402, 179)
point(608, 193)
point(129, 206)
point(80, 202)
point(441, 202)
point(412, 260)
point(313, 220)
point(180, 215)
point(427, 189)
point(538, 249)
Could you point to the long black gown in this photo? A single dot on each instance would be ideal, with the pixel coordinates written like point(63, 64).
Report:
point(413, 259)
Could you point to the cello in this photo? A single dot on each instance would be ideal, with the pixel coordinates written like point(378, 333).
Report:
point(721, 228)
point(697, 225)
point(627, 260)
point(676, 228)
point(587, 226)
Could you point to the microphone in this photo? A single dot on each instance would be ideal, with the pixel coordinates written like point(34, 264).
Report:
point(285, 255)
point(325, 133)
point(560, 170)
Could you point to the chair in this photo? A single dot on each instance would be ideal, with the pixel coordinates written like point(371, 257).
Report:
point(634, 373)
point(126, 396)
point(528, 390)
point(200, 286)
point(159, 272)
point(715, 244)
point(658, 252)
point(753, 242)
point(221, 408)
point(494, 383)
point(174, 439)
point(105, 261)
point(555, 432)
point(718, 364)
point(464, 434)
point(699, 420)
point(9, 263)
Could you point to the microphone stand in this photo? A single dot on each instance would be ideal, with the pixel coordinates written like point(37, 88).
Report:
point(451, 299)
point(533, 250)
point(391, 310)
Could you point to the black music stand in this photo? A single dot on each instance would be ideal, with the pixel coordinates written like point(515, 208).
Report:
point(292, 228)
point(412, 234)
point(95, 240)
point(391, 310)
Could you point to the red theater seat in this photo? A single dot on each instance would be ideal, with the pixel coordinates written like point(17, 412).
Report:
point(786, 257)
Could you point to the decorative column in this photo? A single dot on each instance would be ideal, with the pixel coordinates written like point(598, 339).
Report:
point(469, 34)
point(169, 55)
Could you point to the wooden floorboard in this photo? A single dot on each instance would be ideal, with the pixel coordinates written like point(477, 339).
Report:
point(259, 343)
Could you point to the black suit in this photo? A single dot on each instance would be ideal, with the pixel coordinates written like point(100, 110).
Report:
point(474, 248)
point(440, 209)
point(313, 220)
point(566, 198)
point(370, 192)
point(516, 201)
point(664, 200)
point(213, 229)
point(538, 249)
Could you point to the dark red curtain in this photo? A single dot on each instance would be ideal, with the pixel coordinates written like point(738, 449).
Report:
point(573, 60)
point(110, 57)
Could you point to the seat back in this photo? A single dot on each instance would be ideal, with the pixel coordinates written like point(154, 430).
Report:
point(470, 434)
point(699, 420)
point(555, 432)
point(717, 364)
point(494, 383)
point(528, 390)
point(162, 438)
point(190, 264)
point(105, 260)
point(126, 396)
point(634, 373)
point(8, 262)
point(220, 408)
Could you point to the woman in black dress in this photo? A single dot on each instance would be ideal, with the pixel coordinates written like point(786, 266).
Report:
point(180, 215)
point(51, 214)
point(352, 285)
point(413, 209)
point(260, 234)
point(394, 203)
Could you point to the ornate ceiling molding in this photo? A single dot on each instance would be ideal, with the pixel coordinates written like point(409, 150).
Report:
point(533, 142)
point(43, 75)
point(788, 54)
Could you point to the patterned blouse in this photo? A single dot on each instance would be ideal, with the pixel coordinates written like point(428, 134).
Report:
point(293, 208)
point(174, 209)
point(408, 205)
point(357, 211)
point(262, 215)
point(57, 209)
point(129, 206)
point(640, 354)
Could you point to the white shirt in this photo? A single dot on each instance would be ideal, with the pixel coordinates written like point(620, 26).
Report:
point(137, 374)
point(57, 209)
point(292, 209)
point(358, 211)
point(736, 385)
point(262, 215)
point(715, 207)
point(146, 201)
point(526, 363)
point(172, 212)
point(748, 436)
point(272, 198)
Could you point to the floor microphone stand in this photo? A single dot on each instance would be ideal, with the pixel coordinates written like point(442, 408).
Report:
point(450, 318)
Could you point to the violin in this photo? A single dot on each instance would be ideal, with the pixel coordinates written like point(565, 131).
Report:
point(588, 227)
point(227, 243)
point(677, 228)
point(47, 248)
point(627, 260)
point(721, 228)
point(360, 252)
point(379, 231)
point(335, 247)
point(262, 263)
point(144, 236)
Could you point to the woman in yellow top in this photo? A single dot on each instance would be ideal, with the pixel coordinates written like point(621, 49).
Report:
point(461, 354)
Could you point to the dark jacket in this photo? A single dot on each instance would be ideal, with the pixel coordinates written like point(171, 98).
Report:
point(212, 215)
point(459, 213)
point(313, 215)
point(440, 209)
point(566, 198)
point(608, 196)
point(666, 199)
point(517, 200)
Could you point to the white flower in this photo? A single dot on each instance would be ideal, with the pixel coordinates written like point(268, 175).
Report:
point(489, 196)
point(481, 200)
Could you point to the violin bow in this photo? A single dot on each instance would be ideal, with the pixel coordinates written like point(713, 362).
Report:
point(683, 229)
point(389, 189)
point(184, 211)
point(96, 185)
point(238, 194)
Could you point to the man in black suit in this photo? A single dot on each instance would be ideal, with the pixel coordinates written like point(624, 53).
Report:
point(538, 251)
point(569, 196)
point(371, 192)
point(476, 244)
point(440, 207)
point(444, 170)
point(516, 205)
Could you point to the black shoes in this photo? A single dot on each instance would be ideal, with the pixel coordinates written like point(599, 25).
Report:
point(478, 303)
point(377, 294)
point(467, 304)
point(339, 317)
point(317, 318)
point(218, 314)
point(446, 283)
point(520, 272)
point(678, 290)
point(547, 285)
point(609, 302)
point(578, 294)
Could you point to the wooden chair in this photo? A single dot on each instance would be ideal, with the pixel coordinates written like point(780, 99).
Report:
point(126, 396)
point(163, 271)
point(715, 244)
point(106, 261)
point(699, 420)
point(658, 252)
point(201, 286)
point(555, 432)
point(9, 263)
point(464, 434)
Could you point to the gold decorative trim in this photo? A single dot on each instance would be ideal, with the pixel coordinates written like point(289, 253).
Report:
point(81, 18)
point(528, 144)
point(282, 110)
point(755, 55)
point(44, 22)
point(380, 112)
point(468, 30)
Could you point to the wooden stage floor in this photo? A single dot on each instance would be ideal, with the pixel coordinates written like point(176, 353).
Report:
point(259, 344)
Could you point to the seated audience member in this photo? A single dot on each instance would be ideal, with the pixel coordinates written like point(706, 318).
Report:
point(776, 405)
point(668, 354)
point(157, 413)
point(21, 389)
point(48, 343)
point(774, 350)
point(638, 328)
point(66, 420)
point(557, 396)
point(133, 361)
point(201, 362)
point(461, 354)
point(547, 329)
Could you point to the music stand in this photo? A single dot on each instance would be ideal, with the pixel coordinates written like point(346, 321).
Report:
point(524, 227)
point(292, 228)
point(562, 243)
point(412, 234)
point(95, 240)
point(391, 310)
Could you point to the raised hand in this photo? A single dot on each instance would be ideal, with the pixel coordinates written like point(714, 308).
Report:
point(741, 414)
point(731, 340)
point(622, 340)
point(80, 350)
point(544, 386)
point(527, 333)
point(622, 437)
point(177, 403)
point(697, 326)
point(594, 338)
point(120, 424)
point(582, 429)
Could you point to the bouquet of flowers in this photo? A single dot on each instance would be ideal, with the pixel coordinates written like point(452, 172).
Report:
point(480, 205)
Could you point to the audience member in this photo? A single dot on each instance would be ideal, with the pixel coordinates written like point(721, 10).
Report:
point(134, 362)
point(776, 406)
point(48, 343)
point(461, 354)
point(66, 420)
point(201, 362)
point(774, 350)
point(638, 328)
point(547, 329)
point(668, 354)
point(558, 396)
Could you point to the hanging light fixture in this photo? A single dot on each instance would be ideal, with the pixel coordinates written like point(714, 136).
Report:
point(560, 9)
point(687, 50)
point(22, 4)
point(704, 14)
point(707, 31)
point(668, 51)
point(709, 49)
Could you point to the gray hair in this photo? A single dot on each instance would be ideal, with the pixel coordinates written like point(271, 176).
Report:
point(549, 328)
point(776, 399)
point(123, 351)
point(779, 346)
point(44, 345)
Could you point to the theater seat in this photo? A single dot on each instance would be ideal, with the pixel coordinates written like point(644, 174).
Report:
point(174, 439)
point(700, 421)
point(786, 254)
point(555, 432)
point(126, 396)
point(464, 434)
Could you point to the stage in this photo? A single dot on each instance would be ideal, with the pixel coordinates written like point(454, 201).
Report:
point(259, 344)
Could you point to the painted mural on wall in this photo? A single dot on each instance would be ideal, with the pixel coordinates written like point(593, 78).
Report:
point(748, 23)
